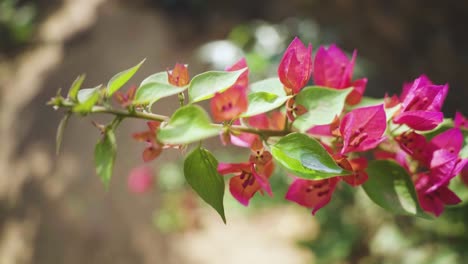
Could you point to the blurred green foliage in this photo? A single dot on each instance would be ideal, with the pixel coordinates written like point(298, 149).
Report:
point(16, 24)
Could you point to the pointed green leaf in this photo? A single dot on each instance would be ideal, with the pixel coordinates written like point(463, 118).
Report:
point(322, 103)
point(104, 156)
point(305, 157)
point(75, 87)
point(205, 85)
point(160, 77)
point(60, 130)
point(153, 91)
point(116, 82)
point(262, 102)
point(390, 186)
point(200, 170)
point(188, 124)
point(271, 85)
point(87, 98)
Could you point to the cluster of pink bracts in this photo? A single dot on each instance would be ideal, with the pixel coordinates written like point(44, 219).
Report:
point(431, 163)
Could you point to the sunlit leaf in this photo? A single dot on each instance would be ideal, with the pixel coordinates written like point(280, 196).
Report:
point(118, 80)
point(205, 85)
point(322, 103)
point(305, 157)
point(160, 77)
point(188, 124)
point(271, 85)
point(153, 91)
point(262, 102)
point(75, 87)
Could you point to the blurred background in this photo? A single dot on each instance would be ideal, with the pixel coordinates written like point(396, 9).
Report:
point(53, 209)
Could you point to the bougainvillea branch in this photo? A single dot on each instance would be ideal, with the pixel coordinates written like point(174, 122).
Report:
point(312, 119)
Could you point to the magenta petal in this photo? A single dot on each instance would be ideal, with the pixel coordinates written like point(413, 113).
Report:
point(359, 87)
point(243, 80)
point(226, 168)
point(460, 121)
point(330, 66)
point(442, 157)
point(431, 204)
point(262, 181)
point(424, 96)
point(295, 67)
point(445, 171)
point(321, 56)
point(448, 197)
point(320, 130)
point(140, 180)
point(310, 193)
point(420, 120)
point(451, 140)
point(243, 140)
point(362, 128)
point(240, 191)
point(348, 72)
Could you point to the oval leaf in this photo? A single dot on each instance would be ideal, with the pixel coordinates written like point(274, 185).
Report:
point(160, 77)
point(200, 170)
point(188, 124)
point(322, 103)
point(305, 157)
point(153, 91)
point(262, 102)
point(271, 85)
point(104, 157)
point(390, 186)
point(205, 85)
point(116, 82)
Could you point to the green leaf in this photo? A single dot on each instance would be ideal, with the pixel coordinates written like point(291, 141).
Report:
point(271, 85)
point(322, 103)
point(262, 102)
point(160, 77)
point(60, 130)
point(104, 156)
point(116, 82)
point(188, 124)
point(200, 170)
point(87, 93)
point(205, 85)
point(75, 87)
point(368, 101)
point(153, 91)
point(305, 157)
point(87, 98)
point(390, 186)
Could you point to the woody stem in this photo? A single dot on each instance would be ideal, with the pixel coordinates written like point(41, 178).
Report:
point(155, 117)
